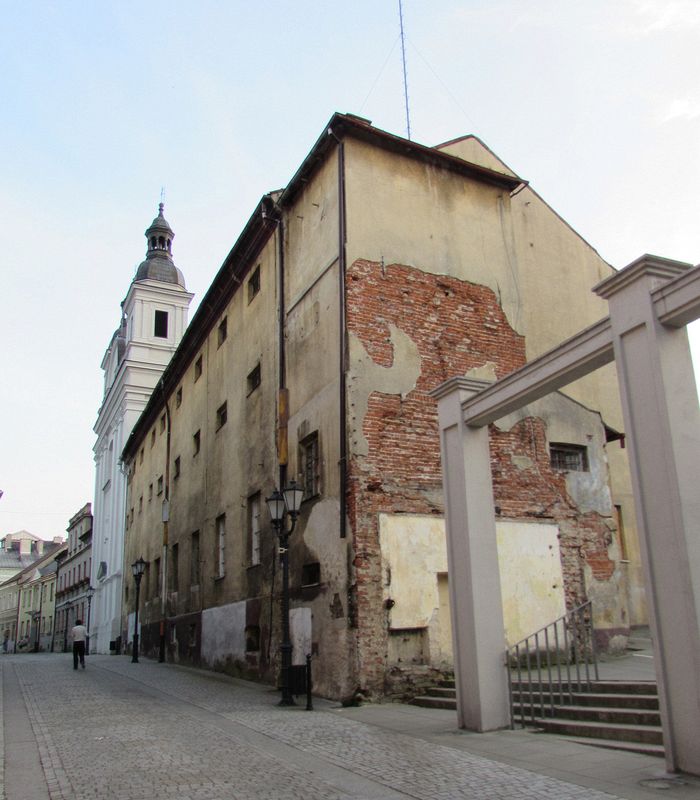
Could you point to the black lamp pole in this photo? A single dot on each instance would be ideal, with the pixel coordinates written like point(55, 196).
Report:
point(137, 569)
point(89, 594)
point(65, 628)
point(289, 501)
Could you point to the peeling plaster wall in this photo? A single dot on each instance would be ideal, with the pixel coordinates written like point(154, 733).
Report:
point(414, 558)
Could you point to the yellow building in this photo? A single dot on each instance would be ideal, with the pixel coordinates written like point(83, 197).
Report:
point(382, 269)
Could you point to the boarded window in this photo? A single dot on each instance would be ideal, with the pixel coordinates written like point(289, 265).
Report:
point(194, 559)
point(310, 465)
point(254, 529)
point(221, 546)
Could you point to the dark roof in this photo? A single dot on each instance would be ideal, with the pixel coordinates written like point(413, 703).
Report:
point(260, 227)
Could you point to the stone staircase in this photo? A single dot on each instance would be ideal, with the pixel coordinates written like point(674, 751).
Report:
point(623, 715)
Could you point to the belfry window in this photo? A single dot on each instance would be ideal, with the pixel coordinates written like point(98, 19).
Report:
point(160, 327)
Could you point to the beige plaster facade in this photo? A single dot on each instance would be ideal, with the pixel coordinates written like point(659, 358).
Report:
point(346, 299)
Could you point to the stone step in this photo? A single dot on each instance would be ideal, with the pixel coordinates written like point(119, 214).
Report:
point(601, 730)
point(609, 700)
point(656, 750)
point(596, 687)
point(446, 703)
point(650, 701)
point(623, 716)
point(441, 691)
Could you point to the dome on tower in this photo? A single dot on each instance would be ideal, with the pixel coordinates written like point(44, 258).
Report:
point(159, 265)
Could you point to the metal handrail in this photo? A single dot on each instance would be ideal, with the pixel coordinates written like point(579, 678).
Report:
point(564, 653)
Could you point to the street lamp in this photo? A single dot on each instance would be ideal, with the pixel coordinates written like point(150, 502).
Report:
point(290, 501)
point(67, 607)
point(137, 568)
point(90, 593)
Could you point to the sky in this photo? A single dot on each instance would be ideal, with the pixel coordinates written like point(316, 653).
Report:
point(104, 105)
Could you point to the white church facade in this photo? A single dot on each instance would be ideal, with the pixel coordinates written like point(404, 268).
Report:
point(154, 318)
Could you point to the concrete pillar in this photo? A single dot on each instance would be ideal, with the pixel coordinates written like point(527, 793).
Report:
point(475, 589)
point(662, 423)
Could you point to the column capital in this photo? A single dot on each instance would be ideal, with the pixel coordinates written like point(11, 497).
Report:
point(656, 269)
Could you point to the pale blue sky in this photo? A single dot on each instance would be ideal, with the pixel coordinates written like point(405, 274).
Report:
point(101, 104)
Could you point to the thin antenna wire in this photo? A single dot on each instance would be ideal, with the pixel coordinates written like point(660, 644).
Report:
point(405, 80)
point(376, 80)
point(162, 194)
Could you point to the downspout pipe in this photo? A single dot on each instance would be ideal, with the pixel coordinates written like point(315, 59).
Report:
point(343, 344)
point(166, 520)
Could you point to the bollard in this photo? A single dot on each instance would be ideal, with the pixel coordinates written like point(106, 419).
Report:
point(309, 704)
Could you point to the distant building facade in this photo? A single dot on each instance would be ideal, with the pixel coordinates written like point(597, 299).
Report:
point(382, 269)
point(73, 598)
point(154, 318)
point(27, 602)
point(18, 550)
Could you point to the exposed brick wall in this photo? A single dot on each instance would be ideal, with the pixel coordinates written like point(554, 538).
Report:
point(456, 326)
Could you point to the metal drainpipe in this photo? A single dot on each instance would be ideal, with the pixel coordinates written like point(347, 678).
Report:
point(342, 267)
point(282, 353)
point(166, 519)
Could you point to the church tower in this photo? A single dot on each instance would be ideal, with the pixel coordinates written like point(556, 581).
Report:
point(153, 320)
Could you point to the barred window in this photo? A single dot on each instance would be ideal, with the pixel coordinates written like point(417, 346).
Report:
point(570, 457)
point(310, 465)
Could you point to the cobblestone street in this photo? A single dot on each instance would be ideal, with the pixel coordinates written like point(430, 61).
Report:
point(128, 731)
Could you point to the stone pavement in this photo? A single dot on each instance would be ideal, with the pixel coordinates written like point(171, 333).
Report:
point(123, 731)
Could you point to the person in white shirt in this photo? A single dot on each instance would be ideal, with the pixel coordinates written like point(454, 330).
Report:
point(78, 634)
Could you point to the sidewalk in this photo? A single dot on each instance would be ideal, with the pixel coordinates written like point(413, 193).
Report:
point(123, 731)
point(626, 775)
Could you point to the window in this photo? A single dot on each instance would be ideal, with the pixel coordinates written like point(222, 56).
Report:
point(157, 577)
point(198, 369)
point(252, 638)
point(196, 441)
point(222, 333)
point(221, 416)
point(176, 468)
point(254, 529)
point(140, 504)
point(174, 568)
point(253, 379)
point(309, 464)
point(254, 283)
point(150, 492)
point(141, 456)
point(153, 437)
point(178, 397)
point(311, 574)
point(162, 423)
point(221, 546)
point(160, 484)
point(571, 457)
point(160, 326)
point(194, 559)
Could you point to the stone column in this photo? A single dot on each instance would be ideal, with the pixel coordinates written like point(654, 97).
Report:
point(475, 589)
point(662, 423)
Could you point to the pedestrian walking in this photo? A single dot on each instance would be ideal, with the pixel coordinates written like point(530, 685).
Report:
point(78, 634)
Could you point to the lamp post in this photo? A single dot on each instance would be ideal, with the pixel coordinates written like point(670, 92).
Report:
point(137, 568)
point(290, 501)
point(90, 593)
point(68, 607)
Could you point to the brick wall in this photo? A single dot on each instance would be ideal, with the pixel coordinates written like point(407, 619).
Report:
point(456, 326)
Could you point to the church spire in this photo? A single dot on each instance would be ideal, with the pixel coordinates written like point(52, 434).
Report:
point(159, 265)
